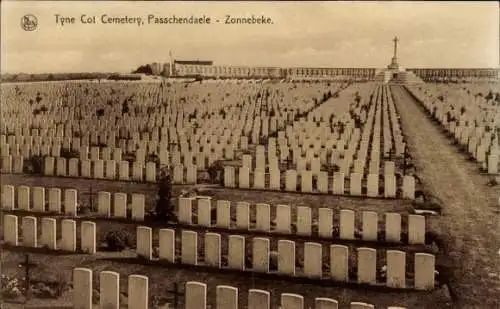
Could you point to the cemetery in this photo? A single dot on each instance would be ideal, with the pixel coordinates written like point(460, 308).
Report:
point(241, 193)
point(300, 157)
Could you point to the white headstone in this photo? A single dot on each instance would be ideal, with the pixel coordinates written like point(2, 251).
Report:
point(138, 292)
point(144, 242)
point(82, 288)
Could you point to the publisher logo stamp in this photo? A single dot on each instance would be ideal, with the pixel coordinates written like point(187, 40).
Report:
point(29, 22)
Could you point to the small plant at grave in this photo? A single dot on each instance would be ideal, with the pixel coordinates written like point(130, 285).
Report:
point(100, 112)
point(153, 158)
point(493, 182)
point(164, 208)
point(96, 296)
point(118, 240)
point(69, 153)
point(53, 285)
point(34, 165)
point(11, 287)
point(213, 171)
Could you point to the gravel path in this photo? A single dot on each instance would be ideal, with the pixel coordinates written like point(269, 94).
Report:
point(470, 215)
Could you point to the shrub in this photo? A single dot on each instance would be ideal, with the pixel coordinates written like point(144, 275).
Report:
point(34, 165)
point(118, 240)
point(84, 209)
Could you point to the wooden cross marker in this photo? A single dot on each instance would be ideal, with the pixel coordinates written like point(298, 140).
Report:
point(177, 294)
point(28, 265)
point(91, 195)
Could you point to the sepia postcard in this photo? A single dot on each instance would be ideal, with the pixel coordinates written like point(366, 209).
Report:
point(250, 155)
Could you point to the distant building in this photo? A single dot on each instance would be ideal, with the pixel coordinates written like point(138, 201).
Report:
point(190, 67)
point(193, 62)
point(392, 73)
point(329, 73)
point(434, 74)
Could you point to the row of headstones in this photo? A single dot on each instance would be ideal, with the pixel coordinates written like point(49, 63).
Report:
point(48, 236)
point(465, 134)
point(373, 117)
point(352, 142)
point(76, 142)
point(89, 138)
point(343, 158)
point(29, 145)
point(309, 149)
point(455, 97)
point(196, 297)
point(35, 117)
point(95, 152)
point(292, 178)
point(107, 170)
point(79, 127)
point(478, 143)
point(66, 127)
point(96, 139)
point(384, 107)
point(304, 222)
point(52, 143)
point(301, 164)
point(480, 148)
point(485, 152)
point(207, 136)
point(390, 128)
point(216, 150)
point(33, 199)
point(39, 148)
point(62, 113)
point(285, 257)
point(211, 151)
point(317, 140)
point(119, 205)
point(441, 112)
point(12, 164)
point(100, 169)
point(396, 127)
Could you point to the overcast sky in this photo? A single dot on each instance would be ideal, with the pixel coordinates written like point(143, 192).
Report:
point(316, 34)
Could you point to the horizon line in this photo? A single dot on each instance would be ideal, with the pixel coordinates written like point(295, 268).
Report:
point(129, 72)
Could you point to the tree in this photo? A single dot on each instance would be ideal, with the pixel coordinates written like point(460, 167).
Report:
point(144, 69)
point(164, 208)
